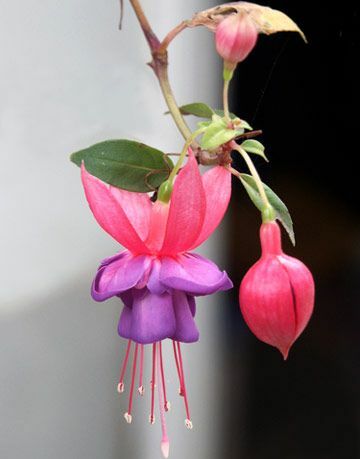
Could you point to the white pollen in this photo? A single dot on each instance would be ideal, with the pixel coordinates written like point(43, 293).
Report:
point(120, 387)
point(152, 419)
point(167, 406)
point(141, 390)
point(188, 424)
point(128, 418)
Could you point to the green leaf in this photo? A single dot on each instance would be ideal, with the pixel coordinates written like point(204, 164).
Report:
point(217, 134)
point(202, 110)
point(255, 147)
point(282, 212)
point(126, 164)
point(198, 109)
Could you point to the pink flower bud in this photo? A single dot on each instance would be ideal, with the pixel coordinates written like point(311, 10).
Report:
point(235, 37)
point(277, 293)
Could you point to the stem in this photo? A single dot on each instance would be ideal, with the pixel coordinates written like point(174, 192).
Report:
point(163, 78)
point(253, 172)
point(183, 154)
point(172, 34)
point(160, 64)
point(226, 100)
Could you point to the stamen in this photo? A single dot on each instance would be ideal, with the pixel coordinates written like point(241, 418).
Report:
point(152, 384)
point(167, 405)
point(178, 370)
point(188, 422)
point(120, 386)
point(165, 445)
point(141, 386)
point(128, 415)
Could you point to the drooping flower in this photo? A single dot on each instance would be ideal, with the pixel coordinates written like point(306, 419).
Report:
point(277, 293)
point(157, 277)
point(235, 37)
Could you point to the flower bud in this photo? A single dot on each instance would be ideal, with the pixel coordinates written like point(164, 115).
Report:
point(235, 37)
point(277, 293)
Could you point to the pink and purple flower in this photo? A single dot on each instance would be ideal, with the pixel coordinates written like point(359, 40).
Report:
point(157, 277)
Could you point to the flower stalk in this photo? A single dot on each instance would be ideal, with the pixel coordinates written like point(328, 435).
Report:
point(226, 100)
point(183, 154)
point(268, 213)
point(159, 64)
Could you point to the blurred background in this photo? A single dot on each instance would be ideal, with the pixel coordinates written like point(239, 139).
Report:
point(68, 79)
point(304, 99)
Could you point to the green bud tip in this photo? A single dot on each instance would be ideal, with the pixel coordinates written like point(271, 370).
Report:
point(165, 190)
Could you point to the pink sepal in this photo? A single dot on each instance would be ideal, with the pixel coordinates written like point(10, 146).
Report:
point(187, 210)
point(109, 210)
point(217, 188)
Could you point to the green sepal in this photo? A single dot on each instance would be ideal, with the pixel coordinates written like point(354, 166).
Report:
point(282, 212)
point(245, 125)
point(198, 109)
point(217, 133)
point(202, 110)
point(126, 164)
point(228, 73)
point(255, 147)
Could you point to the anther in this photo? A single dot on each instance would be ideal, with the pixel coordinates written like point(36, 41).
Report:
point(181, 368)
point(152, 419)
point(128, 417)
point(181, 388)
point(141, 390)
point(188, 424)
point(161, 364)
point(120, 387)
point(133, 375)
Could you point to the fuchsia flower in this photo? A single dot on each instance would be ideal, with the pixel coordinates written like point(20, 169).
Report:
point(277, 293)
point(235, 37)
point(157, 277)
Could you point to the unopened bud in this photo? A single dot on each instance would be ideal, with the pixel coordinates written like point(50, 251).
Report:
point(277, 293)
point(235, 37)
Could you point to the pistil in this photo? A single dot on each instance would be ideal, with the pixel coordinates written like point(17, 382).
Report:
point(165, 445)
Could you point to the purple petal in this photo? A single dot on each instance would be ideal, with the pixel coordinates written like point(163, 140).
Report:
point(152, 317)
point(186, 330)
point(192, 304)
point(127, 298)
point(154, 284)
point(193, 274)
point(124, 327)
point(119, 273)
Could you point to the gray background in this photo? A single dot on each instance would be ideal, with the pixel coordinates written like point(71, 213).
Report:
point(68, 79)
